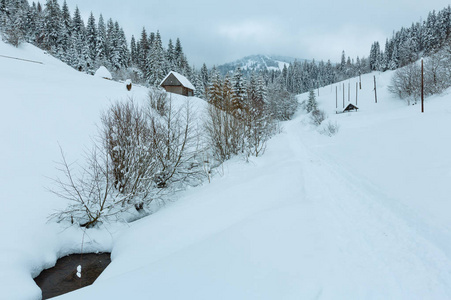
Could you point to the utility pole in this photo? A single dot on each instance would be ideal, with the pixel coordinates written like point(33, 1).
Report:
point(349, 91)
point(375, 91)
point(356, 92)
point(336, 97)
point(360, 79)
point(343, 95)
point(422, 86)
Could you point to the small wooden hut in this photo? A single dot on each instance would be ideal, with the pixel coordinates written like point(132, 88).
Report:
point(177, 84)
point(350, 107)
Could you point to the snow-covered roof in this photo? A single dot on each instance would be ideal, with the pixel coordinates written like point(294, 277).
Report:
point(103, 73)
point(182, 79)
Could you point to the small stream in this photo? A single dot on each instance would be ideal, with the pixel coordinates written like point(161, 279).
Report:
point(62, 278)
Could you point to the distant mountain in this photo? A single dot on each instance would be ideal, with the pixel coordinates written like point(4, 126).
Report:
point(257, 63)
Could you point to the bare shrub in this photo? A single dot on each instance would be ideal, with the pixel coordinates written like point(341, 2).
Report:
point(87, 189)
point(406, 83)
point(281, 104)
point(159, 100)
point(330, 129)
point(178, 147)
point(127, 138)
point(259, 129)
point(225, 133)
point(317, 117)
point(140, 157)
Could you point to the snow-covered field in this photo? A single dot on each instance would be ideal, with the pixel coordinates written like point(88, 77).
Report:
point(360, 215)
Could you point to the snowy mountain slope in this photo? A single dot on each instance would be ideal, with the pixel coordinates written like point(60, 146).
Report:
point(316, 217)
point(44, 105)
point(396, 151)
point(256, 63)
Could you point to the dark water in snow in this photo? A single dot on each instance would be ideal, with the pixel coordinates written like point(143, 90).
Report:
point(62, 278)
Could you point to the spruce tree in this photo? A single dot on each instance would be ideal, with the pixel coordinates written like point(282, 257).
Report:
point(238, 93)
point(91, 37)
point(133, 51)
point(101, 52)
point(66, 28)
point(156, 62)
point(52, 25)
point(311, 102)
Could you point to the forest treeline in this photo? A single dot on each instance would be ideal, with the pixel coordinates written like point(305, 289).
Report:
point(86, 46)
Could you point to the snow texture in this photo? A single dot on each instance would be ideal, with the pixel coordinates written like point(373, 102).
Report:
point(103, 72)
point(360, 215)
point(79, 271)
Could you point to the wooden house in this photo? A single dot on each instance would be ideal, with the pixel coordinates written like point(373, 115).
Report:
point(177, 84)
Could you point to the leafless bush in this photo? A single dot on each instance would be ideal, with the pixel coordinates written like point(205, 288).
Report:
point(330, 129)
point(225, 133)
point(140, 156)
point(317, 117)
point(127, 138)
point(87, 189)
point(406, 83)
point(259, 129)
point(281, 104)
point(159, 101)
point(178, 145)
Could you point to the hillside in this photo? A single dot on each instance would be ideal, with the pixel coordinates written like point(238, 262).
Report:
point(360, 215)
point(257, 63)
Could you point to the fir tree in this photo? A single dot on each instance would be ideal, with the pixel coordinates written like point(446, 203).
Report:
point(91, 37)
point(133, 51)
point(239, 93)
point(52, 25)
point(311, 102)
point(101, 51)
point(66, 28)
point(156, 62)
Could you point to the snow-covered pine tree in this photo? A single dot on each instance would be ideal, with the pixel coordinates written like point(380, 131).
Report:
point(66, 30)
point(311, 102)
point(180, 58)
point(239, 96)
point(101, 51)
point(143, 52)
point(215, 96)
point(156, 62)
point(52, 25)
point(110, 40)
point(170, 56)
point(227, 93)
point(205, 76)
point(394, 61)
point(198, 84)
point(133, 51)
point(124, 53)
point(91, 37)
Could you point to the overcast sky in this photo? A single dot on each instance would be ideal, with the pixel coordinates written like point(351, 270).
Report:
point(220, 32)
